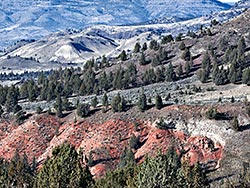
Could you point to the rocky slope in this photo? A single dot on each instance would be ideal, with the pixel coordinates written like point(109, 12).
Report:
point(211, 142)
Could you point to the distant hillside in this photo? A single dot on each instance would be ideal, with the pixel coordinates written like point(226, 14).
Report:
point(25, 19)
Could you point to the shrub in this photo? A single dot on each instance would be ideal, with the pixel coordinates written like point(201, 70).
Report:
point(212, 113)
point(83, 110)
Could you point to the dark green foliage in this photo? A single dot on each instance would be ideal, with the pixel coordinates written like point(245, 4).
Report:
point(149, 77)
point(20, 117)
point(94, 102)
point(83, 110)
point(179, 70)
point(134, 142)
point(142, 102)
point(170, 73)
point(153, 45)
point(105, 102)
point(160, 74)
point(16, 173)
point(220, 78)
point(58, 106)
point(212, 113)
point(11, 99)
point(127, 158)
point(209, 32)
point(142, 60)
point(232, 99)
point(123, 55)
point(246, 76)
point(187, 68)
point(137, 47)
point(145, 46)
point(39, 110)
point(64, 170)
point(214, 22)
point(167, 97)
point(235, 124)
point(161, 124)
point(32, 90)
point(203, 74)
point(118, 103)
point(186, 55)
point(179, 37)
point(182, 46)
point(158, 102)
point(66, 105)
point(167, 39)
point(166, 170)
point(120, 178)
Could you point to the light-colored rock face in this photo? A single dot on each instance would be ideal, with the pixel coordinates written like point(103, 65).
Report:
point(33, 19)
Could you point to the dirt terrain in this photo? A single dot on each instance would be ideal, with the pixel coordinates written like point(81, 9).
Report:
point(106, 135)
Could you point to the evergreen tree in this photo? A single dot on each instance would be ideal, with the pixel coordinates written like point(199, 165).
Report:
point(137, 47)
point(187, 68)
point(123, 55)
point(142, 60)
point(182, 46)
point(145, 46)
point(160, 74)
point(186, 55)
point(83, 110)
point(94, 102)
point(170, 73)
point(64, 170)
point(58, 106)
point(142, 102)
point(179, 71)
point(167, 39)
point(105, 102)
point(158, 102)
point(153, 45)
point(11, 99)
point(246, 76)
point(235, 124)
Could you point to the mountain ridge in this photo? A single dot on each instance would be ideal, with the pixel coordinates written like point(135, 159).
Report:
point(25, 20)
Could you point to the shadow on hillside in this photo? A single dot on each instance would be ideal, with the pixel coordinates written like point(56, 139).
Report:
point(220, 178)
point(244, 127)
point(95, 162)
point(92, 112)
point(223, 116)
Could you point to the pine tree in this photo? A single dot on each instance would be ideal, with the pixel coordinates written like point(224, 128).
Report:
point(137, 47)
point(105, 102)
point(142, 102)
point(167, 39)
point(187, 68)
point(83, 110)
point(145, 46)
point(58, 106)
point(94, 102)
point(158, 102)
point(235, 124)
point(123, 55)
point(186, 55)
point(246, 76)
point(170, 73)
point(180, 71)
point(142, 60)
point(182, 46)
point(115, 103)
point(11, 99)
point(64, 170)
